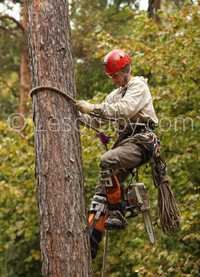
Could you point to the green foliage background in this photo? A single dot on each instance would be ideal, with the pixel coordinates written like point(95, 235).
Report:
point(168, 55)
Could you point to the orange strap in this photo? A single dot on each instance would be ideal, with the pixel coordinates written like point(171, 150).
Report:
point(114, 193)
point(100, 222)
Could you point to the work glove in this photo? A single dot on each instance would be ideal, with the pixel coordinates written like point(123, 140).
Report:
point(84, 107)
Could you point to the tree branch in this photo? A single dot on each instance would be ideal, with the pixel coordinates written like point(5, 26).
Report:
point(19, 25)
point(8, 31)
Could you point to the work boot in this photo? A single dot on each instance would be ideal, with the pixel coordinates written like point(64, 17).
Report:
point(115, 220)
point(95, 239)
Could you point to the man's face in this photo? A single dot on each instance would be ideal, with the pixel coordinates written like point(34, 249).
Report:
point(119, 78)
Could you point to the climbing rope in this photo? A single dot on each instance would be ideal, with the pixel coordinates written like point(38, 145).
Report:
point(66, 96)
point(105, 252)
point(103, 138)
point(40, 88)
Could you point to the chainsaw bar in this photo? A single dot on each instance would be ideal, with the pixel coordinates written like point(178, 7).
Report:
point(149, 226)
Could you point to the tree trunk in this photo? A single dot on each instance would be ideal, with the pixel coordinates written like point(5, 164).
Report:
point(25, 78)
point(153, 7)
point(64, 240)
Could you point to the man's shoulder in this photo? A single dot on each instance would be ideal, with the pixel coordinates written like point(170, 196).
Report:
point(138, 83)
point(112, 94)
point(138, 80)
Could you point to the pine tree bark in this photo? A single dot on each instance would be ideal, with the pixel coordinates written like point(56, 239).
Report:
point(25, 78)
point(64, 241)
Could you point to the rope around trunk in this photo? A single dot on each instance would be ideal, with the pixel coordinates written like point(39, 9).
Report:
point(66, 96)
point(103, 138)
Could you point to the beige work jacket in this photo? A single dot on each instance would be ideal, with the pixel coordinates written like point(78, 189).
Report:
point(132, 103)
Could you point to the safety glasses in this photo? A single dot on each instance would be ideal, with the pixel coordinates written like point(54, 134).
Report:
point(115, 75)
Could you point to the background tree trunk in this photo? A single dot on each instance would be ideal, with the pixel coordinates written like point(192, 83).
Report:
point(25, 79)
point(153, 7)
point(64, 240)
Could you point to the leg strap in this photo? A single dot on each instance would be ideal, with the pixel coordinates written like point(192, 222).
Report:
point(97, 212)
point(106, 178)
point(110, 182)
point(114, 193)
point(98, 205)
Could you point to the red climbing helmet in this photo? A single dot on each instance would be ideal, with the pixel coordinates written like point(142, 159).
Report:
point(115, 60)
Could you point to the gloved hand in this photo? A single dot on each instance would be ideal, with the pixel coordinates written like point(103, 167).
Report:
point(84, 107)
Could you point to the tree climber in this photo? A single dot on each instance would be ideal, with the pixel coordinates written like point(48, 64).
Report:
point(131, 106)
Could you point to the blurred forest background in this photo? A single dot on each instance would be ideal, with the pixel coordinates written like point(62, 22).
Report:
point(165, 44)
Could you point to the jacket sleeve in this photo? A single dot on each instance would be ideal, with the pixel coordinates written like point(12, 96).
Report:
point(136, 97)
point(93, 121)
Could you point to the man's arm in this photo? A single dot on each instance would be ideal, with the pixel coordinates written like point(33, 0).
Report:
point(136, 97)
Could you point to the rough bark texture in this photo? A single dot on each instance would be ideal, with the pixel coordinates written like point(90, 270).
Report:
point(25, 78)
point(25, 81)
point(64, 240)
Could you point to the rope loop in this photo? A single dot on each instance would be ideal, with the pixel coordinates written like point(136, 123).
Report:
point(41, 88)
point(66, 96)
